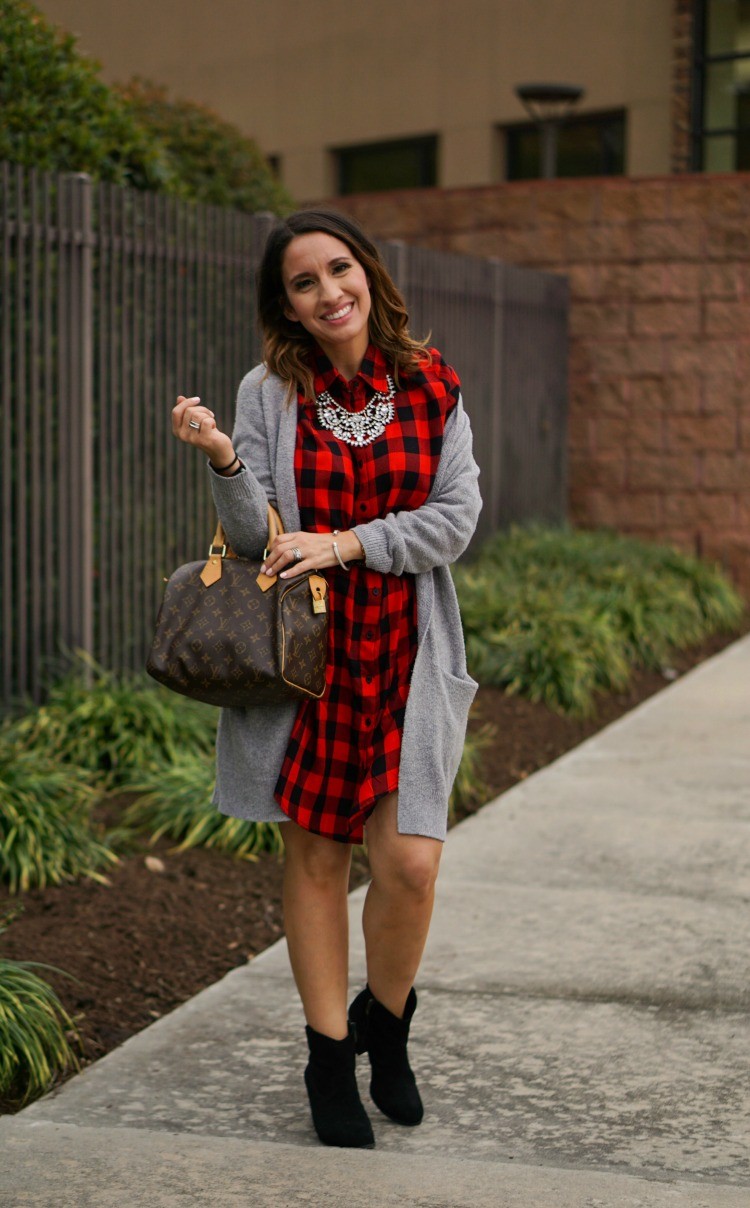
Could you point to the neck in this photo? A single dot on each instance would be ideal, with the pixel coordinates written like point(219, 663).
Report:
point(347, 358)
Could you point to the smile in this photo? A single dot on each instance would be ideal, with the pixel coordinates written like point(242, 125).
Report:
point(338, 314)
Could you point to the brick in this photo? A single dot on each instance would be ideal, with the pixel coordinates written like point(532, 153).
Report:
point(512, 204)
point(715, 431)
point(599, 318)
point(622, 358)
point(721, 279)
point(585, 282)
point(645, 431)
point(706, 196)
point(698, 507)
point(611, 432)
point(605, 471)
point(731, 550)
point(638, 199)
point(726, 471)
point(723, 392)
point(705, 358)
point(723, 318)
point(744, 431)
point(727, 239)
point(596, 243)
point(667, 241)
point(567, 203)
point(580, 428)
point(684, 279)
point(662, 471)
point(620, 280)
point(666, 318)
point(680, 395)
point(642, 508)
point(682, 539)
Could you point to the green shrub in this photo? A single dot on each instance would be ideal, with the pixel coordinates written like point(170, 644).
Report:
point(114, 725)
point(58, 115)
point(175, 801)
point(469, 787)
point(213, 161)
point(45, 836)
point(558, 615)
point(35, 1033)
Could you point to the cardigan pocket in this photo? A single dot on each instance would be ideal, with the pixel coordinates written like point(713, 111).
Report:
point(458, 692)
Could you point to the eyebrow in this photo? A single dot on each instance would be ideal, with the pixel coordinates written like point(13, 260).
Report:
point(335, 260)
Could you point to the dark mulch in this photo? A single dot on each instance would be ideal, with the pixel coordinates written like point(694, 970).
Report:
point(148, 940)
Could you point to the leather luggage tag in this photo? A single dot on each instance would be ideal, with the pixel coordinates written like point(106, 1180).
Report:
point(211, 572)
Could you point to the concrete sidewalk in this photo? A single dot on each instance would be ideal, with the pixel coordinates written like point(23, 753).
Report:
point(583, 1034)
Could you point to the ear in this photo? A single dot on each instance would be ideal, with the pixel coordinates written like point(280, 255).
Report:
point(288, 312)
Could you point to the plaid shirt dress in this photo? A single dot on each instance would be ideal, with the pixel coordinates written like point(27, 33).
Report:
point(344, 749)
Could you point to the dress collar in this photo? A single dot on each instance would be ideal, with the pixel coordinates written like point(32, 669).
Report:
point(373, 372)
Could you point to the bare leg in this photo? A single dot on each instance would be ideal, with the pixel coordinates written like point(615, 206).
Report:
point(398, 906)
point(316, 880)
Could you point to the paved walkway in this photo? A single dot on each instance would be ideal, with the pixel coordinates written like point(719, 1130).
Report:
point(583, 1035)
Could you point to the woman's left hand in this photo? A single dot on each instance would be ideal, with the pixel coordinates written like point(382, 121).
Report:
point(316, 549)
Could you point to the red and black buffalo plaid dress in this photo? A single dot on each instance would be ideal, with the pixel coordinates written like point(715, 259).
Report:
point(344, 749)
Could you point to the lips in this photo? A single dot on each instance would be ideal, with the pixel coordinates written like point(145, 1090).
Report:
point(341, 313)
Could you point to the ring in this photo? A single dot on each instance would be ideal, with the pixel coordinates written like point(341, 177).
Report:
point(297, 552)
point(193, 423)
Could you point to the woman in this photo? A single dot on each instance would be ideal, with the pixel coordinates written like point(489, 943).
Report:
point(357, 433)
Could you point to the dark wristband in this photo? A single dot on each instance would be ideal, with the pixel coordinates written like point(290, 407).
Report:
point(221, 469)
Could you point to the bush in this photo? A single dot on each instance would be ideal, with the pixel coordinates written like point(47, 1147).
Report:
point(34, 1033)
point(469, 787)
point(214, 162)
point(45, 835)
point(58, 115)
point(558, 615)
point(114, 725)
point(175, 801)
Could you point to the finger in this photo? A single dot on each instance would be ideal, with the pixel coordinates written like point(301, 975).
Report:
point(178, 411)
point(280, 560)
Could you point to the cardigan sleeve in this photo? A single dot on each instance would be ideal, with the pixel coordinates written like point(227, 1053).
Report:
point(436, 533)
point(242, 499)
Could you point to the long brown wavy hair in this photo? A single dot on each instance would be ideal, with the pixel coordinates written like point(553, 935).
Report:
point(286, 344)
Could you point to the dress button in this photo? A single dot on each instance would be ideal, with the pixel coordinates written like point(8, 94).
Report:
point(376, 591)
point(369, 635)
point(363, 507)
point(369, 679)
point(368, 722)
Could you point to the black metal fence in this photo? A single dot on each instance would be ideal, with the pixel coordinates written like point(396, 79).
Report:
point(112, 302)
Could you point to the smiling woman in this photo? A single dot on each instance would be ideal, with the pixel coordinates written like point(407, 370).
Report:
point(357, 433)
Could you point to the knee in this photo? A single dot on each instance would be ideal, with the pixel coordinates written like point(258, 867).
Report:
point(414, 873)
point(322, 865)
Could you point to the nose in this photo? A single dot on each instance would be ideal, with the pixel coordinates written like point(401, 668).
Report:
point(330, 289)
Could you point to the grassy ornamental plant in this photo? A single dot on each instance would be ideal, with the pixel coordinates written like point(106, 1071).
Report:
point(113, 726)
point(175, 801)
point(45, 833)
point(35, 1033)
point(558, 615)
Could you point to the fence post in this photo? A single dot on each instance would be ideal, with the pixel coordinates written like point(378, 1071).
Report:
point(77, 294)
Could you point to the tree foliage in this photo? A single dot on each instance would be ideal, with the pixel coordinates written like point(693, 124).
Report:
point(214, 162)
point(58, 115)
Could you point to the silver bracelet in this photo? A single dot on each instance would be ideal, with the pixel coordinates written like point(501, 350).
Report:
point(339, 559)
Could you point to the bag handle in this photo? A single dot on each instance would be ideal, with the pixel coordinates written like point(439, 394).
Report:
point(220, 549)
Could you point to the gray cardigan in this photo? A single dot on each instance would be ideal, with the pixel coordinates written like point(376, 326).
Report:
point(252, 742)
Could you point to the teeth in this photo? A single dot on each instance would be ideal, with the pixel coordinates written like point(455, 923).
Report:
point(339, 314)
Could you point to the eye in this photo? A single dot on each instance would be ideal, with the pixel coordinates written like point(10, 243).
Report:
point(302, 282)
point(342, 266)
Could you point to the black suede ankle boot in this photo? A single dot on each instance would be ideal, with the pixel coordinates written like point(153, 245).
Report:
point(384, 1036)
point(337, 1111)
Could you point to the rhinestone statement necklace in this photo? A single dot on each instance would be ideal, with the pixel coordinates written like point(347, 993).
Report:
point(357, 427)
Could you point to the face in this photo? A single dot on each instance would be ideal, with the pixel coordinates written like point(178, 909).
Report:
point(328, 293)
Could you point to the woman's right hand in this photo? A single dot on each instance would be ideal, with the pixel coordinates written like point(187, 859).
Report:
point(215, 444)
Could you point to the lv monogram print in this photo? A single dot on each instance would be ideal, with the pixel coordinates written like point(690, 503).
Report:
point(233, 645)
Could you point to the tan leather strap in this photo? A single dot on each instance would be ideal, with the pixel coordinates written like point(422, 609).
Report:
point(211, 572)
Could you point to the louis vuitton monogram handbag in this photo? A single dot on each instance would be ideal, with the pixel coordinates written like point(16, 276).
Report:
point(231, 636)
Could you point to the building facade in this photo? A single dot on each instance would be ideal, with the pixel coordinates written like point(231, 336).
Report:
point(348, 97)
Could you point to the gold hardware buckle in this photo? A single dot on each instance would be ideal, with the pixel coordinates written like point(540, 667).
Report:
point(213, 550)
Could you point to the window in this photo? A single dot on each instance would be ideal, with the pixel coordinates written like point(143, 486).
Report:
point(405, 163)
point(589, 145)
point(721, 100)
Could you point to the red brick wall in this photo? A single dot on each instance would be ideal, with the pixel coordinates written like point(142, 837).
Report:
point(660, 336)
